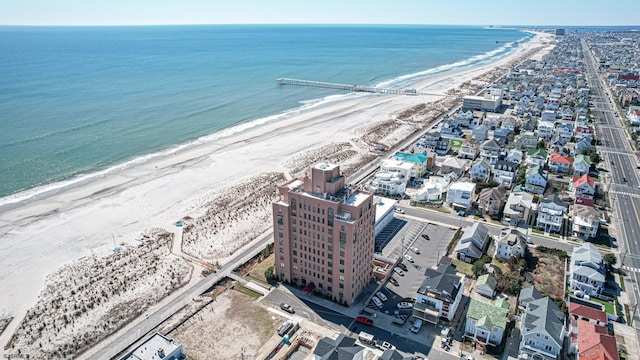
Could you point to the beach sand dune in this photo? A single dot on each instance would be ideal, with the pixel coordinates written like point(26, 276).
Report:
point(42, 234)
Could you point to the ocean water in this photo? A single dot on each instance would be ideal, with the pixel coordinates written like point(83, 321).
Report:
point(79, 101)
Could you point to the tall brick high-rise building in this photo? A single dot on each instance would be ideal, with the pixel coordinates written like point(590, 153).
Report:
point(324, 234)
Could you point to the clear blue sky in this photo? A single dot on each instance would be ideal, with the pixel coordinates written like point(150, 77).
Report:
point(471, 12)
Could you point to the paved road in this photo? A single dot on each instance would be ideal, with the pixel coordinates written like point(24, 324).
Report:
point(623, 179)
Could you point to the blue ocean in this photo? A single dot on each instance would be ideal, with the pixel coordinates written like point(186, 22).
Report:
point(75, 101)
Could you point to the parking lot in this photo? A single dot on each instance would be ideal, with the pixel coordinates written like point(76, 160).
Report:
point(430, 240)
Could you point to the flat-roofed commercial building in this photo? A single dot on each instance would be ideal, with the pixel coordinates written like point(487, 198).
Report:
point(324, 234)
point(489, 100)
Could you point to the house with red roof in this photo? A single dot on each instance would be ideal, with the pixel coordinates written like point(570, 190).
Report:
point(633, 115)
point(583, 132)
point(583, 189)
point(581, 312)
point(560, 164)
point(593, 342)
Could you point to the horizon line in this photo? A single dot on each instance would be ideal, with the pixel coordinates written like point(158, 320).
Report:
point(497, 26)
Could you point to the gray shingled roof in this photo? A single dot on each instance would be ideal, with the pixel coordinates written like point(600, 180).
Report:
point(442, 280)
point(528, 295)
point(342, 348)
point(543, 314)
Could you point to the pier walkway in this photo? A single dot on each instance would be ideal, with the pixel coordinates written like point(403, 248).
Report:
point(350, 88)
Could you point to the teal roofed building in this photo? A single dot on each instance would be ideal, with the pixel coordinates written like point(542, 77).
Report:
point(486, 322)
point(581, 165)
point(421, 162)
point(486, 285)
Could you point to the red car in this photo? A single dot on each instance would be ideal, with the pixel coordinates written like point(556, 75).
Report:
point(364, 320)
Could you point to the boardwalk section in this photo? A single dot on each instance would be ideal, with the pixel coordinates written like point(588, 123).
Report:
point(349, 88)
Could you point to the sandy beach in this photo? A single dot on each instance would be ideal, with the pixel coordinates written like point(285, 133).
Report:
point(42, 234)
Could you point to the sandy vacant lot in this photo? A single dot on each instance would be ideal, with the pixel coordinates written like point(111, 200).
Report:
point(222, 330)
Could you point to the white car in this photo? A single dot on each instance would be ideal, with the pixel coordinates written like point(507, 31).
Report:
point(381, 296)
point(376, 301)
point(398, 271)
point(399, 211)
point(415, 250)
point(404, 305)
point(387, 346)
point(416, 326)
point(409, 258)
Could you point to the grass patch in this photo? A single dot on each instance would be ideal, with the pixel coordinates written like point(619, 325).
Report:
point(608, 307)
point(257, 273)
point(463, 267)
point(536, 231)
point(627, 314)
point(497, 263)
point(442, 210)
point(240, 288)
point(554, 235)
point(621, 281)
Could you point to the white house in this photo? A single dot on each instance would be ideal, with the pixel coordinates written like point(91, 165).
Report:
point(545, 130)
point(504, 172)
point(469, 149)
point(511, 242)
point(542, 330)
point(472, 243)
point(551, 211)
point(401, 169)
point(586, 221)
point(486, 323)
point(480, 132)
point(537, 157)
point(486, 285)
point(433, 189)
point(514, 155)
point(439, 294)
point(518, 208)
point(490, 151)
point(481, 170)
point(587, 270)
point(548, 115)
point(388, 184)
point(536, 180)
point(560, 164)
point(453, 165)
point(633, 115)
point(460, 195)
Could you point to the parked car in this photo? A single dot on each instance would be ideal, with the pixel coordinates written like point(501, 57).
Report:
point(403, 266)
point(285, 327)
point(387, 346)
point(398, 271)
point(381, 296)
point(364, 320)
point(394, 281)
point(416, 326)
point(399, 211)
point(425, 236)
point(404, 305)
point(288, 308)
point(415, 250)
point(376, 301)
point(409, 258)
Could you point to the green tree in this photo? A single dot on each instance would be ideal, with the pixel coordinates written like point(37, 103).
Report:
point(521, 174)
point(541, 144)
point(268, 273)
point(592, 152)
point(610, 259)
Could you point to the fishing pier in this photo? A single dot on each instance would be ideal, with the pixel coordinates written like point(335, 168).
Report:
point(349, 88)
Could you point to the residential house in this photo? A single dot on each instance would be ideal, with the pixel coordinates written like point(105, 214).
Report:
point(504, 172)
point(581, 165)
point(342, 347)
point(518, 209)
point(583, 189)
point(586, 221)
point(481, 170)
point(473, 242)
point(587, 270)
point(492, 122)
point(453, 165)
point(451, 130)
point(435, 142)
point(486, 323)
point(514, 156)
point(536, 180)
point(566, 113)
point(501, 135)
point(527, 140)
point(510, 123)
point(421, 162)
point(401, 169)
point(388, 184)
point(433, 189)
point(565, 132)
point(551, 211)
point(578, 311)
point(581, 145)
point(542, 330)
point(633, 115)
point(486, 285)
point(439, 294)
point(528, 295)
point(490, 151)
point(491, 200)
point(460, 195)
point(480, 132)
point(548, 115)
point(469, 149)
point(537, 157)
point(545, 130)
point(560, 164)
point(594, 343)
point(510, 243)
point(584, 132)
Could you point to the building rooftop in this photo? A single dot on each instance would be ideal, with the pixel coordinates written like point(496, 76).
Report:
point(157, 347)
point(487, 315)
point(325, 166)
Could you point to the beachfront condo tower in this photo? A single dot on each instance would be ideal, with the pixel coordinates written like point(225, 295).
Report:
point(324, 234)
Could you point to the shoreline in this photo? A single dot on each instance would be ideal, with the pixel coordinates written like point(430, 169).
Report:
point(45, 233)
